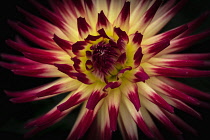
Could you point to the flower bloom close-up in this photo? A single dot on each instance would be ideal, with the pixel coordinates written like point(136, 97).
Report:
point(114, 62)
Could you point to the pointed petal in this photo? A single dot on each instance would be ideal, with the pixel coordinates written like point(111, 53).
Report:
point(90, 8)
point(156, 25)
point(79, 48)
point(137, 75)
point(17, 59)
point(42, 24)
point(152, 96)
point(138, 57)
point(121, 34)
point(113, 99)
point(175, 72)
point(150, 123)
point(152, 49)
point(127, 125)
point(179, 63)
point(35, 39)
point(130, 90)
point(185, 88)
point(83, 121)
point(156, 111)
point(146, 18)
point(182, 106)
point(96, 95)
point(64, 44)
point(195, 24)
point(182, 124)
point(83, 27)
point(42, 70)
point(103, 122)
point(78, 96)
point(171, 34)
point(137, 116)
point(194, 56)
point(167, 90)
point(103, 22)
point(185, 42)
point(123, 18)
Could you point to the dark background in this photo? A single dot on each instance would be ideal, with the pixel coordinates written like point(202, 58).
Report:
point(13, 116)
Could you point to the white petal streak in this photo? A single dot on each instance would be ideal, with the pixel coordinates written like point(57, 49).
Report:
point(152, 96)
point(150, 123)
point(137, 117)
point(156, 111)
point(127, 125)
point(103, 122)
point(115, 7)
point(158, 24)
point(83, 122)
point(113, 101)
point(138, 11)
point(130, 90)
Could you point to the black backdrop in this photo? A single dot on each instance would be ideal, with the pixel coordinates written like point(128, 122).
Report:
point(13, 116)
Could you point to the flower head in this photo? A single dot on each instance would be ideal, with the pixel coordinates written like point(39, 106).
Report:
point(111, 58)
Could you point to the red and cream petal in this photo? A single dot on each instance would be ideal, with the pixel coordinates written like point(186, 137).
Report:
point(164, 8)
point(137, 117)
point(156, 25)
point(185, 88)
point(182, 106)
point(156, 112)
point(114, 7)
point(134, 50)
point(138, 10)
point(80, 47)
point(103, 23)
point(123, 19)
point(153, 49)
point(150, 123)
point(163, 62)
point(78, 96)
point(40, 55)
point(130, 90)
point(113, 101)
point(136, 75)
point(97, 94)
point(54, 88)
point(127, 125)
point(188, 56)
point(83, 28)
point(50, 118)
point(64, 44)
point(171, 34)
point(35, 39)
point(46, 91)
point(152, 96)
point(146, 19)
point(167, 90)
point(33, 69)
point(183, 43)
point(83, 122)
point(43, 24)
point(90, 10)
point(103, 123)
point(153, 70)
point(58, 21)
point(180, 123)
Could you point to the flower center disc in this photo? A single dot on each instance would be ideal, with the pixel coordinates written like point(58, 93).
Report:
point(104, 57)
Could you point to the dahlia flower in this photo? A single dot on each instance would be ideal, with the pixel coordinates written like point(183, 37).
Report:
point(114, 62)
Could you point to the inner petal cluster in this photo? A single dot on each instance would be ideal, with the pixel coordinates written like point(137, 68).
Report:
point(103, 58)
